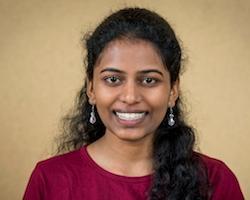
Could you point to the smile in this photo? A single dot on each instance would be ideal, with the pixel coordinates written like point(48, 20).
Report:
point(130, 116)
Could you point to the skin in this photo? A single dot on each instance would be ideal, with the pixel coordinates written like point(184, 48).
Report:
point(129, 76)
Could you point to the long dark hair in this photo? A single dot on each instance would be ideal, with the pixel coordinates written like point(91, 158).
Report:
point(179, 172)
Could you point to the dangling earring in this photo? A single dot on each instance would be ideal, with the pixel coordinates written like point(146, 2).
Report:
point(92, 118)
point(171, 121)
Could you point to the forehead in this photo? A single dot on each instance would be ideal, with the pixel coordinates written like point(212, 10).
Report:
point(127, 54)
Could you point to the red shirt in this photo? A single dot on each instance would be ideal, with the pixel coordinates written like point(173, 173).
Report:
point(75, 176)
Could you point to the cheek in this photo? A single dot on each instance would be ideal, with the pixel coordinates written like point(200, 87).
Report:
point(103, 94)
point(104, 102)
point(158, 98)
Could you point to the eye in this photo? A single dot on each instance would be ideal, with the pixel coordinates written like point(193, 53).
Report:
point(149, 81)
point(112, 80)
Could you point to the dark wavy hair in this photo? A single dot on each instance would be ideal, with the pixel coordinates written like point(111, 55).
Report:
point(179, 172)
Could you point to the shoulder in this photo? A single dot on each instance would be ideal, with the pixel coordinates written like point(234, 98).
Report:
point(52, 177)
point(217, 169)
point(60, 165)
point(63, 160)
point(222, 179)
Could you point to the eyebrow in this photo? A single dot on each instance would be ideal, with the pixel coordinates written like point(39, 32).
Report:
point(150, 71)
point(110, 69)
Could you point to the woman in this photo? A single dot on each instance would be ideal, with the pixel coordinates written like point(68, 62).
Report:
point(128, 138)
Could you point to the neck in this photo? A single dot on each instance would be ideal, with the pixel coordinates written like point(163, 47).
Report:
point(129, 158)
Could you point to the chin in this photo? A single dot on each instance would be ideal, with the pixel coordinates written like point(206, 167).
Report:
point(132, 135)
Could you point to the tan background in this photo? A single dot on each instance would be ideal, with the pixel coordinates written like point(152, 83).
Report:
point(41, 70)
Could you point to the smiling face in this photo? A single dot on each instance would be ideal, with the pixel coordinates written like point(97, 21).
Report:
point(131, 89)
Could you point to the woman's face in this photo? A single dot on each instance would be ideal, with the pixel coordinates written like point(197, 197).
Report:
point(131, 89)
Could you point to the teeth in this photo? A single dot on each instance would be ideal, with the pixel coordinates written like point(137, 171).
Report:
point(130, 116)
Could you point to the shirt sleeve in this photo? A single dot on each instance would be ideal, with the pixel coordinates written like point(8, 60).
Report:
point(35, 187)
point(225, 184)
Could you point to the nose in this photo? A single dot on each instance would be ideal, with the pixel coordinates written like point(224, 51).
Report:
point(130, 93)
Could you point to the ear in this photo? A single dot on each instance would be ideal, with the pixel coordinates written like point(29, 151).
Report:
point(90, 92)
point(174, 93)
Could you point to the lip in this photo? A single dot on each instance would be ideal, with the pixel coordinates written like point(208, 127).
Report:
point(130, 123)
point(129, 111)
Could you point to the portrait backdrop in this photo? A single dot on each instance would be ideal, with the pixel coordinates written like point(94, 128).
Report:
point(41, 70)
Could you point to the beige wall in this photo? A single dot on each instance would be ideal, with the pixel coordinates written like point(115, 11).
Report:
point(41, 70)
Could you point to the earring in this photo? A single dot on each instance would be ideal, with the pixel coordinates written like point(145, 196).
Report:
point(171, 121)
point(92, 118)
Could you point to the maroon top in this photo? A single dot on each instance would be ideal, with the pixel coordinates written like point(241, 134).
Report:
point(75, 176)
